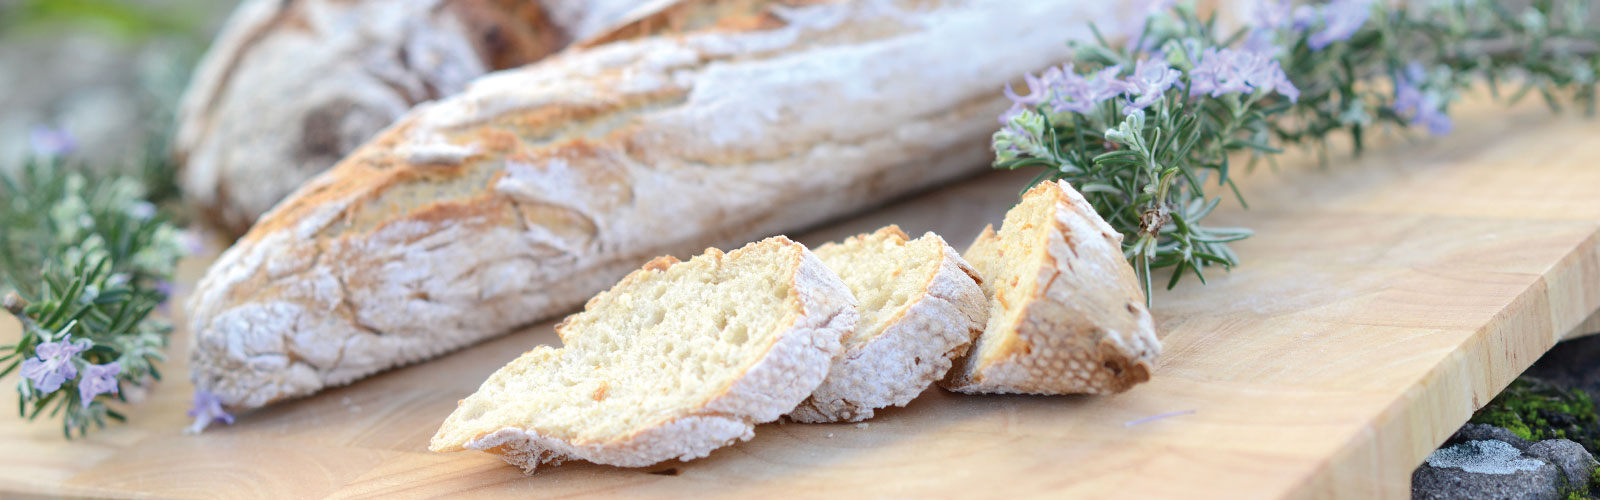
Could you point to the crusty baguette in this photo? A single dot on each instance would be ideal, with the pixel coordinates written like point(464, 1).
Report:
point(676, 360)
point(920, 308)
point(1066, 313)
point(290, 87)
point(668, 17)
point(522, 196)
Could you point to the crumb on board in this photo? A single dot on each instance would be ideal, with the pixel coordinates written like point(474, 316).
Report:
point(862, 425)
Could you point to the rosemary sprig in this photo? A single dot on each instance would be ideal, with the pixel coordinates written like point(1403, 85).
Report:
point(1144, 145)
point(84, 261)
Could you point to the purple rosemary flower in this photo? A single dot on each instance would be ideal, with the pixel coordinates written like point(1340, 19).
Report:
point(1222, 71)
point(1260, 40)
point(1273, 14)
point(1420, 108)
point(165, 287)
point(142, 210)
point(1431, 115)
point(1073, 94)
point(1269, 18)
point(1150, 81)
point(1203, 77)
point(167, 290)
point(1077, 94)
point(1303, 17)
point(53, 366)
point(1228, 71)
point(1341, 19)
point(51, 142)
point(1415, 72)
point(194, 241)
point(97, 380)
point(1105, 85)
point(1064, 90)
point(207, 409)
point(1037, 92)
point(1283, 86)
point(1270, 78)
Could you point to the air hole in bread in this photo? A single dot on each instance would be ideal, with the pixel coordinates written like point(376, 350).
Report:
point(653, 358)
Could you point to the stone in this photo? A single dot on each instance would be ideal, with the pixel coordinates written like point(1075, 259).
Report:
point(1570, 457)
point(1485, 469)
point(1481, 432)
point(1538, 409)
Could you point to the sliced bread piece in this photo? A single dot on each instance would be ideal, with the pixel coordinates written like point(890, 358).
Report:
point(521, 197)
point(676, 360)
point(1066, 313)
point(920, 308)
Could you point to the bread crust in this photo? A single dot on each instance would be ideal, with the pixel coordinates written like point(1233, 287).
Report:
point(793, 365)
point(1085, 330)
point(290, 87)
point(914, 350)
point(521, 197)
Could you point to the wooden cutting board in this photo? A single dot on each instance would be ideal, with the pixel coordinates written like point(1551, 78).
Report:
point(1383, 301)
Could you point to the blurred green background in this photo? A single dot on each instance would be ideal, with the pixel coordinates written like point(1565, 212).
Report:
point(107, 72)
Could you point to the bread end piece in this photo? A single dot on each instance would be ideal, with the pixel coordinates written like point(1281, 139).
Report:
point(1067, 315)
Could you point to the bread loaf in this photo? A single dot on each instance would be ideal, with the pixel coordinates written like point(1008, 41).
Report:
point(537, 187)
point(1066, 312)
point(290, 87)
point(678, 359)
point(920, 308)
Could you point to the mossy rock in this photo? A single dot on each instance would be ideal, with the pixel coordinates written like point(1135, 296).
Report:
point(1536, 411)
point(1594, 488)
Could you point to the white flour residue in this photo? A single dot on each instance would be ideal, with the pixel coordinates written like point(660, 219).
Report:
point(557, 183)
point(434, 150)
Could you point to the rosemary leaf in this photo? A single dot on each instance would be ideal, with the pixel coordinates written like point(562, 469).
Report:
point(1172, 118)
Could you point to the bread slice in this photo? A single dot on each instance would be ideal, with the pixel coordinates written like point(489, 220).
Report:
point(1066, 314)
point(521, 197)
point(920, 308)
point(676, 360)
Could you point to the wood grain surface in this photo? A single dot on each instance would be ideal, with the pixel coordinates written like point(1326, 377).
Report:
point(1384, 299)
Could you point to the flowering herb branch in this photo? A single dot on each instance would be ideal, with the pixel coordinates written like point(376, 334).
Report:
point(84, 261)
point(1149, 126)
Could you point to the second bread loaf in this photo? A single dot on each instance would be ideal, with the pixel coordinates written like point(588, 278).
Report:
point(537, 187)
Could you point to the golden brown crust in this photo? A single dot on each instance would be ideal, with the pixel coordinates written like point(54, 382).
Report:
point(372, 59)
point(660, 263)
point(893, 231)
point(1082, 326)
point(687, 16)
point(481, 213)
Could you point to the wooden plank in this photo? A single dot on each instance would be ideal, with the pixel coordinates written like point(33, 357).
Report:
point(1382, 302)
point(1589, 327)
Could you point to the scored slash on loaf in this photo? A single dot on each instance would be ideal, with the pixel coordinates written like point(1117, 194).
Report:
point(676, 360)
point(920, 309)
point(291, 87)
point(1066, 312)
point(522, 196)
